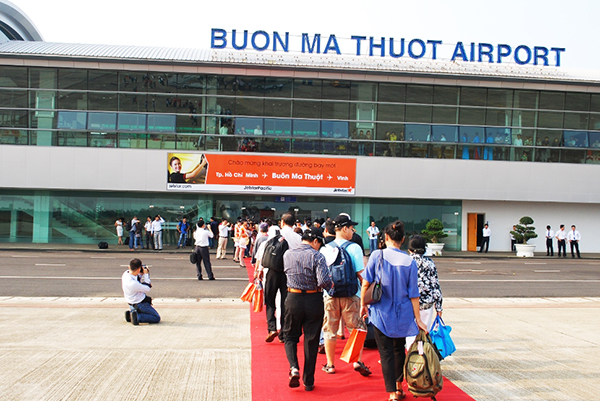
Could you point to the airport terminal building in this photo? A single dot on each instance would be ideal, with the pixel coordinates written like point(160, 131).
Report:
point(87, 133)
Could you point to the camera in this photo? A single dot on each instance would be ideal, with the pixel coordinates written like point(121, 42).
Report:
point(145, 269)
point(381, 240)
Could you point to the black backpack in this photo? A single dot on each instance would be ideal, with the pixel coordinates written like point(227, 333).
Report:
point(103, 245)
point(273, 254)
point(343, 275)
point(128, 226)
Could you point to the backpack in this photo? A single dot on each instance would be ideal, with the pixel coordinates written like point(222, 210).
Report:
point(103, 245)
point(422, 369)
point(273, 254)
point(343, 275)
point(128, 225)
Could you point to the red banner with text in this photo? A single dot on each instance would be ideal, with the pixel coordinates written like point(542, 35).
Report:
point(260, 174)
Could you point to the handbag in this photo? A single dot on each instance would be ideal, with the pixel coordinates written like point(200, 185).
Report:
point(355, 344)
point(374, 291)
point(258, 298)
point(248, 292)
point(440, 335)
point(193, 257)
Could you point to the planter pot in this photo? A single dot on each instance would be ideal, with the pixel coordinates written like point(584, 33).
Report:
point(525, 250)
point(434, 249)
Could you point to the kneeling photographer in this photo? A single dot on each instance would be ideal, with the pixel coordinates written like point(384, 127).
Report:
point(136, 284)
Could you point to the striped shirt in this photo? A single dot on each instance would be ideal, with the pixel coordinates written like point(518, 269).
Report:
point(305, 269)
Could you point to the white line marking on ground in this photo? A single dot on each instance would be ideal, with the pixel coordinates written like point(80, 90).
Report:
point(24, 256)
point(547, 271)
point(173, 258)
point(536, 263)
point(50, 264)
point(103, 257)
point(467, 263)
point(520, 281)
point(116, 278)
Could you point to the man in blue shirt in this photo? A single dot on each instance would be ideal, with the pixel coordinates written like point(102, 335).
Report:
point(182, 228)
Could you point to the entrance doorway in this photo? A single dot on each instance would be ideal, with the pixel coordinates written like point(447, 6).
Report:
point(475, 222)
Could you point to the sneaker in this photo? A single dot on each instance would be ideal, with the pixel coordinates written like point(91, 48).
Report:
point(362, 369)
point(294, 378)
point(328, 369)
point(128, 316)
point(134, 318)
point(271, 336)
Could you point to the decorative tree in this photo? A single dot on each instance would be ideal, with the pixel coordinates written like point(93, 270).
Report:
point(524, 231)
point(434, 231)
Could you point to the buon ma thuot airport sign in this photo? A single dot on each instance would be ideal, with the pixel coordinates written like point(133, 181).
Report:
point(386, 47)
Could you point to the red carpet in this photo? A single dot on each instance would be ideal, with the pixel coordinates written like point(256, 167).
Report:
point(270, 372)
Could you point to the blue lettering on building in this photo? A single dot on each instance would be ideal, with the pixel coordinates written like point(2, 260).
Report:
point(415, 48)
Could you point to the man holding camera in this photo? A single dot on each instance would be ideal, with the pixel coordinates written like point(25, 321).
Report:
point(136, 284)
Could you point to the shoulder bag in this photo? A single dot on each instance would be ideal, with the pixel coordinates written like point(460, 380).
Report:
point(373, 293)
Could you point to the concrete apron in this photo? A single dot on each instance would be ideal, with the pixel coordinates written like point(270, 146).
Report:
point(82, 349)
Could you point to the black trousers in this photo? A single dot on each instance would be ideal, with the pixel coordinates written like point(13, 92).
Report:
point(485, 241)
point(574, 247)
point(549, 247)
point(303, 313)
point(562, 244)
point(203, 257)
point(149, 241)
point(275, 281)
point(392, 354)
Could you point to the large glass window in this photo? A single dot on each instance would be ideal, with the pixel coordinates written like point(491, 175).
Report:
point(498, 117)
point(577, 101)
point(444, 133)
point(72, 100)
point(549, 119)
point(247, 106)
point(306, 109)
point(422, 94)
point(72, 120)
point(275, 127)
point(473, 96)
point(472, 116)
point(525, 99)
point(575, 139)
point(278, 87)
point(445, 115)
point(390, 112)
point(445, 95)
point(161, 123)
point(336, 90)
point(418, 114)
point(335, 110)
point(418, 132)
point(305, 128)
point(99, 80)
point(191, 83)
point(103, 101)
point(307, 89)
point(364, 91)
point(13, 77)
point(576, 121)
point(499, 98)
point(393, 93)
point(132, 122)
point(552, 100)
point(278, 108)
point(13, 98)
point(102, 121)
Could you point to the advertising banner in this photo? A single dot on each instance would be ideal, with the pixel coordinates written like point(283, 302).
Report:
point(192, 172)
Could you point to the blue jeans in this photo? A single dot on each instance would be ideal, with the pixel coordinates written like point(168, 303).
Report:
point(182, 239)
point(373, 244)
point(139, 241)
point(131, 239)
point(146, 313)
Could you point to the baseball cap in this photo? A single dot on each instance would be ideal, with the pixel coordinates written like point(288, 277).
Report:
point(311, 234)
point(344, 220)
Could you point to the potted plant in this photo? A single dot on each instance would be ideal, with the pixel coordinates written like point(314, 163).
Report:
point(433, 233)
point(522, 233)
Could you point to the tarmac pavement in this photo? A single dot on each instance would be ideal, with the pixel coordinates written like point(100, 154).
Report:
point(82, 348)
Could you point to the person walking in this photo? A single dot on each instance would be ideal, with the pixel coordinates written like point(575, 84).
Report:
point(486, 238)
point(400, 291)
point(307, 276)
point(201, 236)
point(549, 241)
point(373, 231)
point(574, 237)
point(182, 228)
point(561, 241)
point(343, 307)
point(430, 293)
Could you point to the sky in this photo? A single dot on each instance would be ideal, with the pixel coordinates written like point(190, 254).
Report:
point(185, 23)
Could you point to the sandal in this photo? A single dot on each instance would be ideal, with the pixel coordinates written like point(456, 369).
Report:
point(400, 394)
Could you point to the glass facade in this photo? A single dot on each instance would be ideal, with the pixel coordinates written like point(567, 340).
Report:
point(88, 218)
point(155, 110)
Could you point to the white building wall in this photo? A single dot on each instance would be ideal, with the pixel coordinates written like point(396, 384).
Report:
point(551, 193)
point(501, 216)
